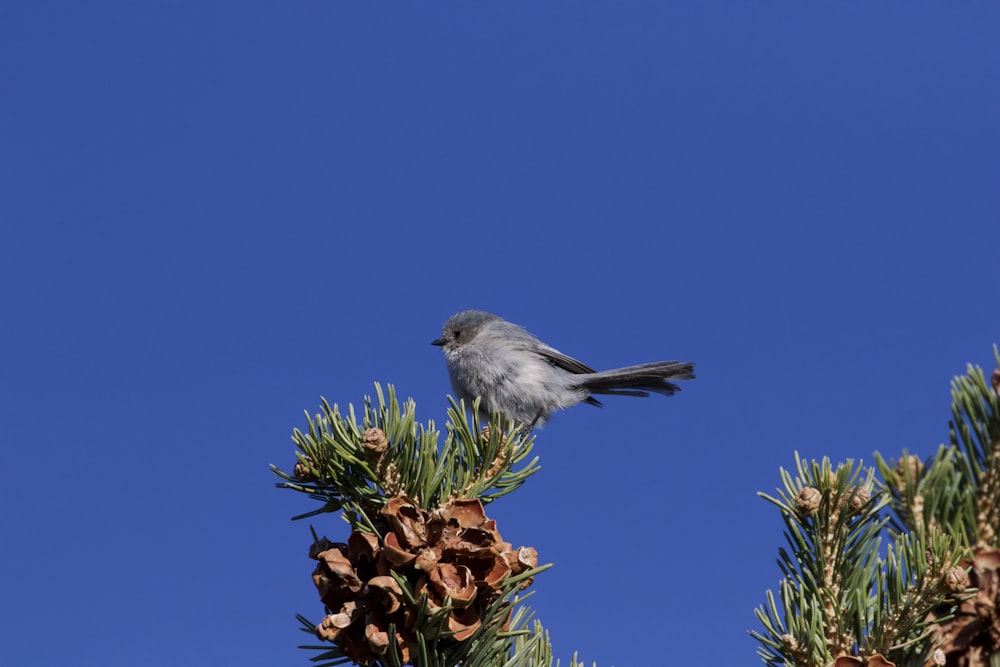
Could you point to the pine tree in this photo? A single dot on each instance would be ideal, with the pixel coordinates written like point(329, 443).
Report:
point(933, 597)
point(424, 576)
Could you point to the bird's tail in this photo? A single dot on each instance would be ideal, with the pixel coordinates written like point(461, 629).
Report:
point(638, 380)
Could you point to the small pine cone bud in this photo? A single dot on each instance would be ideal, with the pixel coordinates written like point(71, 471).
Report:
point(374, 443)
point(859, 497)
point(807, 502)
point(995, 381)
point(302, 473)
point(955, 580)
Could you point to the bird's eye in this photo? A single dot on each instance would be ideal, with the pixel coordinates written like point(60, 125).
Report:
point(457, 333)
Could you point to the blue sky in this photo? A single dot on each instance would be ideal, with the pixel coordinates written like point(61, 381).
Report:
point(215, 213)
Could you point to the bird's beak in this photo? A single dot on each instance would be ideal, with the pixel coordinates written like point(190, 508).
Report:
point(439, 342)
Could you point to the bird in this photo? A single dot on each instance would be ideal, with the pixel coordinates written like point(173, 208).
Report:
point(513, 372)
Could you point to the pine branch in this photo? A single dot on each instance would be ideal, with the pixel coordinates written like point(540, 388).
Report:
point(425, 577)
point(841, 602)
point(932, 495)
point(975, 429)
point(839, 597)
point(959, 493)
point(356, 468)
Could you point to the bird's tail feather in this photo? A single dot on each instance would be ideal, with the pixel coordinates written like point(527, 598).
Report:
point(638, 380)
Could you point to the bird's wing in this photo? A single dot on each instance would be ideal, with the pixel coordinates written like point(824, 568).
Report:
point(562, 361)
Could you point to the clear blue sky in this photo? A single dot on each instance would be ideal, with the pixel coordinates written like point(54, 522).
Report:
point(214, 213)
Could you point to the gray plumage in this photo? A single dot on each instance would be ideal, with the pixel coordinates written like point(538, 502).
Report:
point(519, 375)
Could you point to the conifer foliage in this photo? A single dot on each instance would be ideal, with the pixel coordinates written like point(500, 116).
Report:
point(424, 576)
point(932, 596)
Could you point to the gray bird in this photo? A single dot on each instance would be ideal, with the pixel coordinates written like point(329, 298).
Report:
point(522, 377)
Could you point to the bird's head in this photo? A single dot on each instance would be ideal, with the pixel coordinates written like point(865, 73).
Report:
point(461, 328)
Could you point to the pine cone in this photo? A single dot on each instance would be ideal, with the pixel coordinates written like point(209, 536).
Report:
point(452, 554)
point(808, 500)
